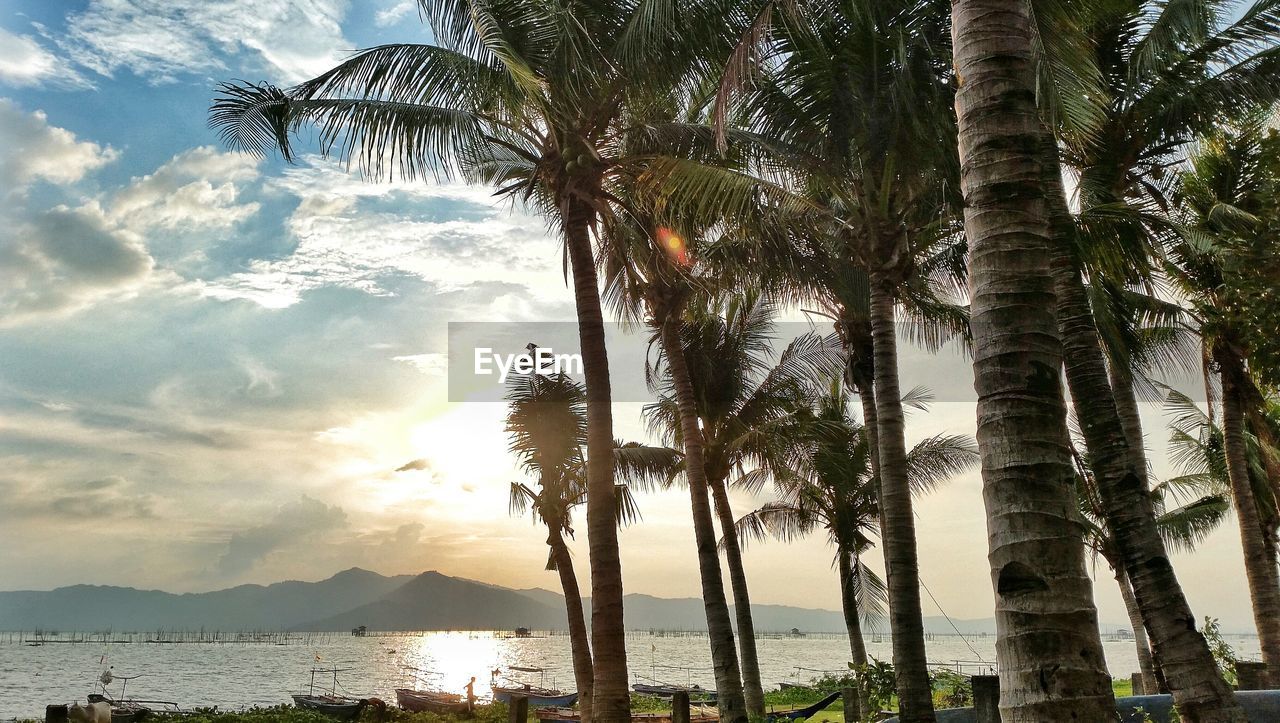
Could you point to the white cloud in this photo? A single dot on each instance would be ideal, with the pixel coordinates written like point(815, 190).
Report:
point(433, 364)
point(24, 62)
point(355, 234)
point(31, 150)
point(387, 17)
point(198, 188)
point(161, 39)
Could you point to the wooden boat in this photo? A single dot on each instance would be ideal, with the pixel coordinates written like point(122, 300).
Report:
point(122, 711)
point(697, 694)
point(805, 712)
point(334, 706)
point(697, 714)
point(330, 704)
point(419, 701)
point(539, 696)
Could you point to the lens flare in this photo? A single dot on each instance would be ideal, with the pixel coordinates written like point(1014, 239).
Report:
point(673, 245)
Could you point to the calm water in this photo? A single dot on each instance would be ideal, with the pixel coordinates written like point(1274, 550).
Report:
point(239, 675)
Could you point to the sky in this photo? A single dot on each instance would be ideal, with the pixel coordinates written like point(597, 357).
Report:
point(217, 369)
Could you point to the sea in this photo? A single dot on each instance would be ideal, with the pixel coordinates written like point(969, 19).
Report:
point(238, 671)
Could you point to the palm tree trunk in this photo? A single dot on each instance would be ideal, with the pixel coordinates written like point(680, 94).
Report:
point(906, 621)
point(1146, 663)
point(724, 657)
point(612, 699)
point(578, 645)
point(1198, 687)
point(1259, 564)
point(1127, 405)
point(846, 559)
point(751, 686)
point(1048, 646)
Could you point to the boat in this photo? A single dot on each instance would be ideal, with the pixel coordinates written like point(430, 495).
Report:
point(805, 712)
point(122, 711)
point(539, 696)
point(334, 706)
point(697, 694)
point(419, 701)
point(330, 704)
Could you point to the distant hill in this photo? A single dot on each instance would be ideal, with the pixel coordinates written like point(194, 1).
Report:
point(430, 601)
point(246, 607)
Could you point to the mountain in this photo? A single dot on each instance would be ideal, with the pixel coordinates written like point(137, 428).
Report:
point(246, 607)
point(430, 601)
point(646, 612)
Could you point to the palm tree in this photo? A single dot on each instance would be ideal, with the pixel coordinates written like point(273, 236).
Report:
point(834, 488)
point(1049, 649)
point(852, 102)
point(1226, 195)
point(535, 99)
point(1152, 59)
point(1202, 509)
point(548, 427)
point(737, 402)
point(651, 272)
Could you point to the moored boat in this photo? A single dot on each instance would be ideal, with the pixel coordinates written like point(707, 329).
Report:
point(334, 706)
point(697, 694)
point(539, 696)
point(420, 701)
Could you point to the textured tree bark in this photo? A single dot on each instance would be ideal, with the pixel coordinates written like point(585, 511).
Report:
point(724, 657)
point(1048, 647)
point(846, 560)
point(752, 688)
point(1146, 663)
point(612, 697)
point(579, 647)
point(1259, 562)
point(1127, 405)
point(1198, 688)
point(898, 533)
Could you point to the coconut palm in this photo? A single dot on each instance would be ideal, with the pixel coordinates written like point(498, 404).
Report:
point(537, 100)
point(853, 101)
point(833, 487)
point(1225, 196)
point(737, 402)
point(1154, 59)
point(547, 424)
point(1049, 649)
point(651, 271)
point(1202, 508)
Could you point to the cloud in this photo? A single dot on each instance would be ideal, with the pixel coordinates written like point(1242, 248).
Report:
point(24, 62)
point(162, 39)
point(291, 523)
point(416, 465)
point(433, 364)
point(359, 235)
point(65, 258)
point(387, 17)
point(32, 150)
point(77, 503)
point(196, 189)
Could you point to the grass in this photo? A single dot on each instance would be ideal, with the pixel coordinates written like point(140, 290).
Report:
point(497, 713)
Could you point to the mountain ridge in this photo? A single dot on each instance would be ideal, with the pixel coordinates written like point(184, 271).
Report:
point(428, 601)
